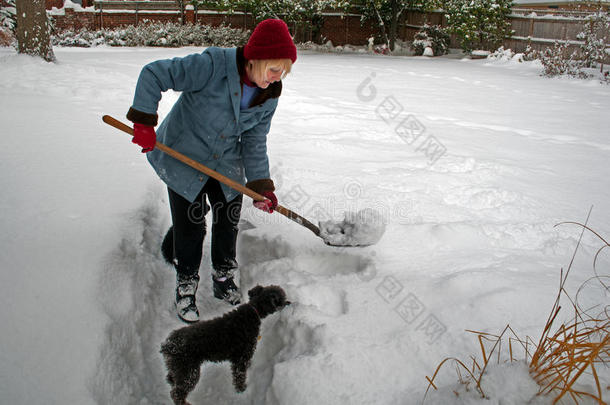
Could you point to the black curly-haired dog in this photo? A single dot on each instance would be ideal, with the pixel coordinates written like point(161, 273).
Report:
point(231, 337)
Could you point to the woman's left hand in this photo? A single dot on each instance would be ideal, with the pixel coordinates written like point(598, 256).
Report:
point(264, 187)
point(269, 204)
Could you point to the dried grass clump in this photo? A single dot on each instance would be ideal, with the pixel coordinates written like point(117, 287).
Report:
point(474, 373)
point(563, 354)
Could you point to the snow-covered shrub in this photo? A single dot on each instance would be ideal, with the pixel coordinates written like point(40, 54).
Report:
point(558, 60)
point(8, 17)
point(6, 37)
point(82, 38)
point(381, 49)
point(226, 36)
point(595, 37)
point(530, 54)
point(479, 24)
point(431, 36)
point(585, 62)
point(8, 23)
point(155, 34)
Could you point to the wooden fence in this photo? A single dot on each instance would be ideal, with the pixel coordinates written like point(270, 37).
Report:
point(541, 30)
point(537, 28)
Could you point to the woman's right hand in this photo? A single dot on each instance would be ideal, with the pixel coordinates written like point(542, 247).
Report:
point(145, 136)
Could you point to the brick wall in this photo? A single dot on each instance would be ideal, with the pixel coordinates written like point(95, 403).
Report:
point(215, 19)
point(54, 3)
point(74, 20)
point(114, 20)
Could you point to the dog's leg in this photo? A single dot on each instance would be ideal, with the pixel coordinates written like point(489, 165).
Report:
point(239, 369)
point(183, 382)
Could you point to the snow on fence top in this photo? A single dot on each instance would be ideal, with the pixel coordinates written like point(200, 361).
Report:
point(540, 14)
point(68, 4)
point(136, 5)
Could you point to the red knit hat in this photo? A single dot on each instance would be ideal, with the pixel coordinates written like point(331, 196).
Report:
point(271, 40)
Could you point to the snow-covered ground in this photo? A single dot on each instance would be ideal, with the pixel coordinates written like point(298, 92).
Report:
point(470, 163)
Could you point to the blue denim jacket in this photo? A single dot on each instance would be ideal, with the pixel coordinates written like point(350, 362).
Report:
point(206, 123)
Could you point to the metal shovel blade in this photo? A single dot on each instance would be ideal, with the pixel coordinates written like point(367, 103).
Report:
point(358, 229)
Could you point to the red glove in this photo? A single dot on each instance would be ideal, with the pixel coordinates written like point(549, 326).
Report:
point(267, 205)
point(144, 135)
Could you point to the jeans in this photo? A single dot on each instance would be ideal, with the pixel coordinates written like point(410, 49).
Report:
point(189, 229)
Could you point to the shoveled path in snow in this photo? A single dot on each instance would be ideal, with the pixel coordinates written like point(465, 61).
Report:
point(137, 290)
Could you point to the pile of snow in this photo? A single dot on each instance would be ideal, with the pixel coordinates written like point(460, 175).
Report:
point(479, 54)
point(401, 48)
point(505, 383)
point(70, 4)
point(506, 55)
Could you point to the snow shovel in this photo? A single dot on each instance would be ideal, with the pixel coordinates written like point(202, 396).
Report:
point(333, 233)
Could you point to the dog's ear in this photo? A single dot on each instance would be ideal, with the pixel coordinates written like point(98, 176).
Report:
point(255, 291)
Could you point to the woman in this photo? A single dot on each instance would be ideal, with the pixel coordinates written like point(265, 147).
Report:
point(221, 119)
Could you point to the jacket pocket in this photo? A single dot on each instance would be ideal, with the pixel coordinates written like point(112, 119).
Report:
point(250, 119)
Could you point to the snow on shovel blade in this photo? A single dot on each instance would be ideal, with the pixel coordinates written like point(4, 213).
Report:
point(362, 228)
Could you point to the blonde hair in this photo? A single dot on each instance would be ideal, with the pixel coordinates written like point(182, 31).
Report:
point(258, 67)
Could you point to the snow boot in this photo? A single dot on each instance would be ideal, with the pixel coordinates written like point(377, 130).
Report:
point(226, 290)
point(186, 288)
point(167, 247)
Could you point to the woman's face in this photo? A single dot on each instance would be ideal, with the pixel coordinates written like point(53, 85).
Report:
point(272, 74)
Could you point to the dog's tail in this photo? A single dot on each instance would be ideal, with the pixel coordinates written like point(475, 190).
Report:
point(169, 347)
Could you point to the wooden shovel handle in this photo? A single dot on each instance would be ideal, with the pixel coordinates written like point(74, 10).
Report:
point(214, 174)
